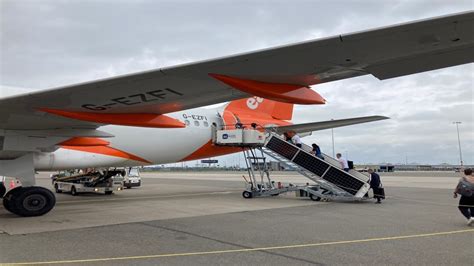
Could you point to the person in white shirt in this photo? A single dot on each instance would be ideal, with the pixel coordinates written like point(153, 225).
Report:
point(465, 188)
point(296, 139)
point(343, 161)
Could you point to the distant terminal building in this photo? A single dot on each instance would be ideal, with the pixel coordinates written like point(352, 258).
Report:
point(436, 167)
point(386, 168)
point(409, 167)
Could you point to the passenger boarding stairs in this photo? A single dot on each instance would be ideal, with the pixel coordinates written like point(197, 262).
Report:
point(327, 173)
point(331, 181)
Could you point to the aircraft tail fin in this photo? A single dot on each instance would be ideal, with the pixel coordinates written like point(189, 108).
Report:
point(258, 107)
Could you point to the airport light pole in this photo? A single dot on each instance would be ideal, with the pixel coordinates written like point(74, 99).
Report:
point(332, 133)
point(459, 141)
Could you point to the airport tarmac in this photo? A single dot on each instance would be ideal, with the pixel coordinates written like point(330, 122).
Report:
point(184, 218)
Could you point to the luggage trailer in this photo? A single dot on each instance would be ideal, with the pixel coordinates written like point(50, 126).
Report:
point(329, 181)
point(105, 182)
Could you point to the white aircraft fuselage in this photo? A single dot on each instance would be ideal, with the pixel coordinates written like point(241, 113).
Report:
point(153, 145)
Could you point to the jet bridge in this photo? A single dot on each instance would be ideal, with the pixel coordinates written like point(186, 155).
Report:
point(329, 180)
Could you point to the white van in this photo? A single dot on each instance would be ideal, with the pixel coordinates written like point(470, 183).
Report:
point(132, 179)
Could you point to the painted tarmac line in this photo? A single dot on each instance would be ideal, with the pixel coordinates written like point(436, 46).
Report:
point(148, 197)
point(200, 253)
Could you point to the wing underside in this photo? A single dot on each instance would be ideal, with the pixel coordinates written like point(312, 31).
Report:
point(385, 53)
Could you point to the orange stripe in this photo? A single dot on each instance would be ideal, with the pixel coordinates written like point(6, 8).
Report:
point(134, 119)
point(289, 93)
point(84, 141)
point(105, 150)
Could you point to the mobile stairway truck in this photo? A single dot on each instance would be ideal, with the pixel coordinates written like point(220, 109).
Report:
point(329, 181)
point(103, 181)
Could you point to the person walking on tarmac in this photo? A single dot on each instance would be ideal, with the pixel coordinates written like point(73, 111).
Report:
point(376, 186)
point(465, 188)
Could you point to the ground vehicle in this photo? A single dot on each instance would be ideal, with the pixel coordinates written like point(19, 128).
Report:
point(105, 182)
point(331, 182)
point(132, 179)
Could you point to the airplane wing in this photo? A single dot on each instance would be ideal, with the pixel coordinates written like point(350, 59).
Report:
point(316, 126)
point(283, 73)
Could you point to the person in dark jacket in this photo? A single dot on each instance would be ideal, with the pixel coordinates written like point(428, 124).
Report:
point(376, 185)
point(466, 202)
point(317, 151)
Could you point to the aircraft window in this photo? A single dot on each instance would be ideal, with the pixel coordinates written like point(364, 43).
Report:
point(196, 123)
point(206, 124)
point(187, 122)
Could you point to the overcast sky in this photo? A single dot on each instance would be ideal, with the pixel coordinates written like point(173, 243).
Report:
point(47, 44)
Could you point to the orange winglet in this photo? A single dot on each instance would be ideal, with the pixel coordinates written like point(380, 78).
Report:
point(134, 119)
point(289, 93)
point(84, 141)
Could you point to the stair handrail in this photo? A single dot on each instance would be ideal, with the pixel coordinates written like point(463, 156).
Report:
point(328, 159)
point(333, 162)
